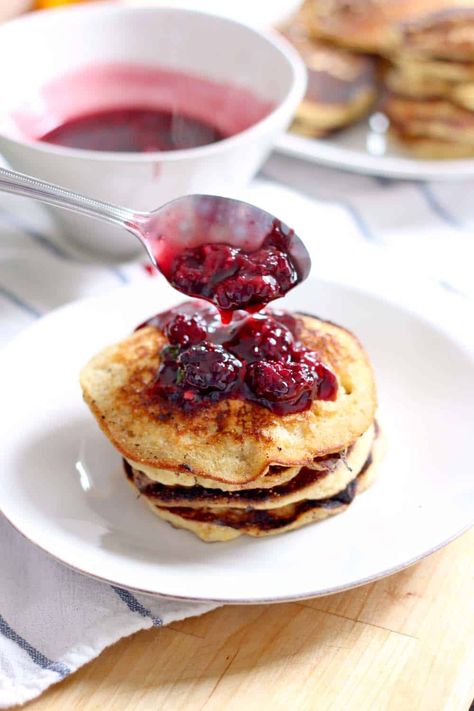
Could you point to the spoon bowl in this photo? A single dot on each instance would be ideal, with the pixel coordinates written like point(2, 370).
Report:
point(194, 220)
point(182, 225)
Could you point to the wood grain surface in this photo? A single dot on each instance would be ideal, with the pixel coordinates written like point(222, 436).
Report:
point(405, 642)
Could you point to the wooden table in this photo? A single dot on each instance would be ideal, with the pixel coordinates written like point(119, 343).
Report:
point(406, 642)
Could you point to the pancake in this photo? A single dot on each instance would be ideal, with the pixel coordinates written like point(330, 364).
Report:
point(307, 484)
point(436, 119)
point(434, 69)
point(276, 476)
point(431, 148)
point(445, 32)
point(362, 25)
point(426, 28)
point(415, 85)
point(225, 524)
point(432, 80)
point(463, 95)
point(232, 441)
point(341, 85)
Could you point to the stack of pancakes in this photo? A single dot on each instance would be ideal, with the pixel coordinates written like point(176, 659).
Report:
point(430, 104)
point(234, 467)
point(426, 59)
point(342, 85)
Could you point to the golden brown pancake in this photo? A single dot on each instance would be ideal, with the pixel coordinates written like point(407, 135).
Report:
point(434, 79)
point(431, 148)
point(436, 119)
point(447, 32)
point(362, 25)
point(233, 441)
point(463, 95)
point(341, 85)
point(434, 69)
point(427, 28)
point(225, 524)
point(414, 85)
point(306, 484)
point(275, 476)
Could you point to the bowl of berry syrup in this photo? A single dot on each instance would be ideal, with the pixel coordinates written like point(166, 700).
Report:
point(139, 105)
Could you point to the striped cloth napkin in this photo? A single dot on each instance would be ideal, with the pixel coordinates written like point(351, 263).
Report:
point(53, 620)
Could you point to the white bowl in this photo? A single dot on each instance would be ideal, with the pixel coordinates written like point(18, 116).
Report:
point(57, 42)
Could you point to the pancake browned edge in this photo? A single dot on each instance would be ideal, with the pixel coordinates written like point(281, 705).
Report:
point(325, 477)
point(432, 128)
point(231, 441)
point(444, 29)
point(423, 28)
point(431, 148)
point(312, 495)
point(341, 88)
point(431, 79)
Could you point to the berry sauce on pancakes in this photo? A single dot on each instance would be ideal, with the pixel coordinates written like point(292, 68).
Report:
point(258, 358)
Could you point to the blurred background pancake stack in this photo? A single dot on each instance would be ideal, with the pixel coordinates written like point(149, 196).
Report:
point(342, 85)
point(420, 51)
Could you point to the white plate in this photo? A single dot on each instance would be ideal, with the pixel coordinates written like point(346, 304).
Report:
point(62, 487)
point(362, 150)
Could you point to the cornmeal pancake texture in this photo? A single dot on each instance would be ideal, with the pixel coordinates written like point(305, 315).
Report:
point(306, 484)
point(223, 524)
point(444, 30)
point(431, 118)
point(463, 95)
point(425, 28)
point(232, 441)
point(437, 124)
point(402, 81)
point(427, 78)
point(432, 148)
point(341, 88)
point(275, 475)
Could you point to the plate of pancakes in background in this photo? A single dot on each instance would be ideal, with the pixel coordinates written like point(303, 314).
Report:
point(390, 87)
point(393, 486)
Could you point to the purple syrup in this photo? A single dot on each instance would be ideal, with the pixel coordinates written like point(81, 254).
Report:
point(133, 130)
point(256, 358)
point(99, 90)
point(234, 278)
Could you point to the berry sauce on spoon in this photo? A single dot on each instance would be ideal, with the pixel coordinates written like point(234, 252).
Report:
point(258, 358)
point(233, 278)
point(228, 252)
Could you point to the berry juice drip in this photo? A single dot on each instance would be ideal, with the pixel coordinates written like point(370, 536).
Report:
point(256, 358)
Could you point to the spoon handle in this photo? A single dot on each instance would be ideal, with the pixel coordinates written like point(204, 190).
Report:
point(19, 184)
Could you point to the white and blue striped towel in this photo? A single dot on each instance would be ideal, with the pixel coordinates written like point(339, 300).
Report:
point(53, 620)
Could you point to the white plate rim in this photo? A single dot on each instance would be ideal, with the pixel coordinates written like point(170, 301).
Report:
point(250, 601)
point(327, 152)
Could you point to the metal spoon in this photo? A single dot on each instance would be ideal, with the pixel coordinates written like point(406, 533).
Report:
point(188, 221)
